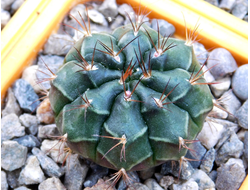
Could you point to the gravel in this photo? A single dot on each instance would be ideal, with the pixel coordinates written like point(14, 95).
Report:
point(31, 161)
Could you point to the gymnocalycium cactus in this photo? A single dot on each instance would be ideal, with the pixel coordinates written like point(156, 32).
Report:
point(132, 99)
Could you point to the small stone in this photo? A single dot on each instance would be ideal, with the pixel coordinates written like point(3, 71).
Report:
point(45, 113)
point(158, 176)
point(122, 9)
point(75, 173)
point(16, 5)
point(97, 17)
point(213, 175)
point(242, 115)
point(58, 44)
point(30, 122)
point(240, 82)
point(165, 28)
point(208, 161)
point(166, 181)
point(188, 185)
point(138, 186)
point(207, 75)
point(11, 105)
point(47, 164)
point(5, 18)
point(230, 176)
point(245, 151)
point(25, 95)
point(109, 8)
point(173, 167)
point(22, 188)
point(31, 173)
point(54, 149)
point(5, 4)
point(210, 134)
point(133, 176)
point(232, 148)
point(200, 52)
point(240, 10)
point(152, 184)
point(28, 141)
point(227, 5)
point(100, 185)
point(97, 172)
point(12, 178)
point(48, 131)
point(228, 125)
point(145, 174)
point(53, 62)
point(4, 184)
point(80, 8)
point(197, 154)
point(213, 2)
point(52, 183)
point(95, 28)
point(218, 112)
point(29, 74)
point(224, 60)
point(119, 20)
point(221, 87)
point(245, 18)
point(11, 127)
point(13, 155)
point(203, 180)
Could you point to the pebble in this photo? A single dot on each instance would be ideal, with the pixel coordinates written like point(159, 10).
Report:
point(228, 125)
point(158, 176)
point(97, 172)
point(100, 185)
point(231, 148)
point(213, 175)
point(188, 185)
point(119, 21)
point(54, 149)
point(4, 184)
point(13, 155)
point(11, 105)
point(166, 181)
point(200, 52)
point(122, 9)
point(197, 154)
point(152, 184)
point(138, 186)
point(97, 17)
point(30, 122)
point(224, 60)
point(240, 10)
point(230, 175)
point(47, 131)
point(5, 4)
point(22, 188)
point(203, 180)
point(52, 183)
point(48, 165)
point(210, 134)
point(133, 176)
point(29, 74)
point(80, 8)
point(227, 5)
point(109, 8)
point(207, 75)
point(45, 113)
point(208, 161)
point(25, 95)
point(53, 62)
point(240, 82)
point(58, 44)
point(145, 174)
point(222, 86)
point(165, 28)
point(245, 18)
point(99, 28)
point(31, 173)
point(213, 2)
point(242, 115)
point(16, 5)
point(172, 167)
point(12, 178)
point(28, 141)
point(230, 103)
point(5, 18)
point(75, 173)
point(218, 112)
point(11, 127)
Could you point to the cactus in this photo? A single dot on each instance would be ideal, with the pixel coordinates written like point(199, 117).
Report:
point(132, 99)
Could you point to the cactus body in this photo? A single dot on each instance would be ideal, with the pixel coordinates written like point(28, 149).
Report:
point(151, 130)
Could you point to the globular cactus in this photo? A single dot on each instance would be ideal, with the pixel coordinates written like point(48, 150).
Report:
point(132, 99)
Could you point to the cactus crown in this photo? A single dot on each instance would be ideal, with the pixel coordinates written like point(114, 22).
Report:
point(130, 99)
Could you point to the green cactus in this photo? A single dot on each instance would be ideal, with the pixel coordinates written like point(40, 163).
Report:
point(130, 100)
